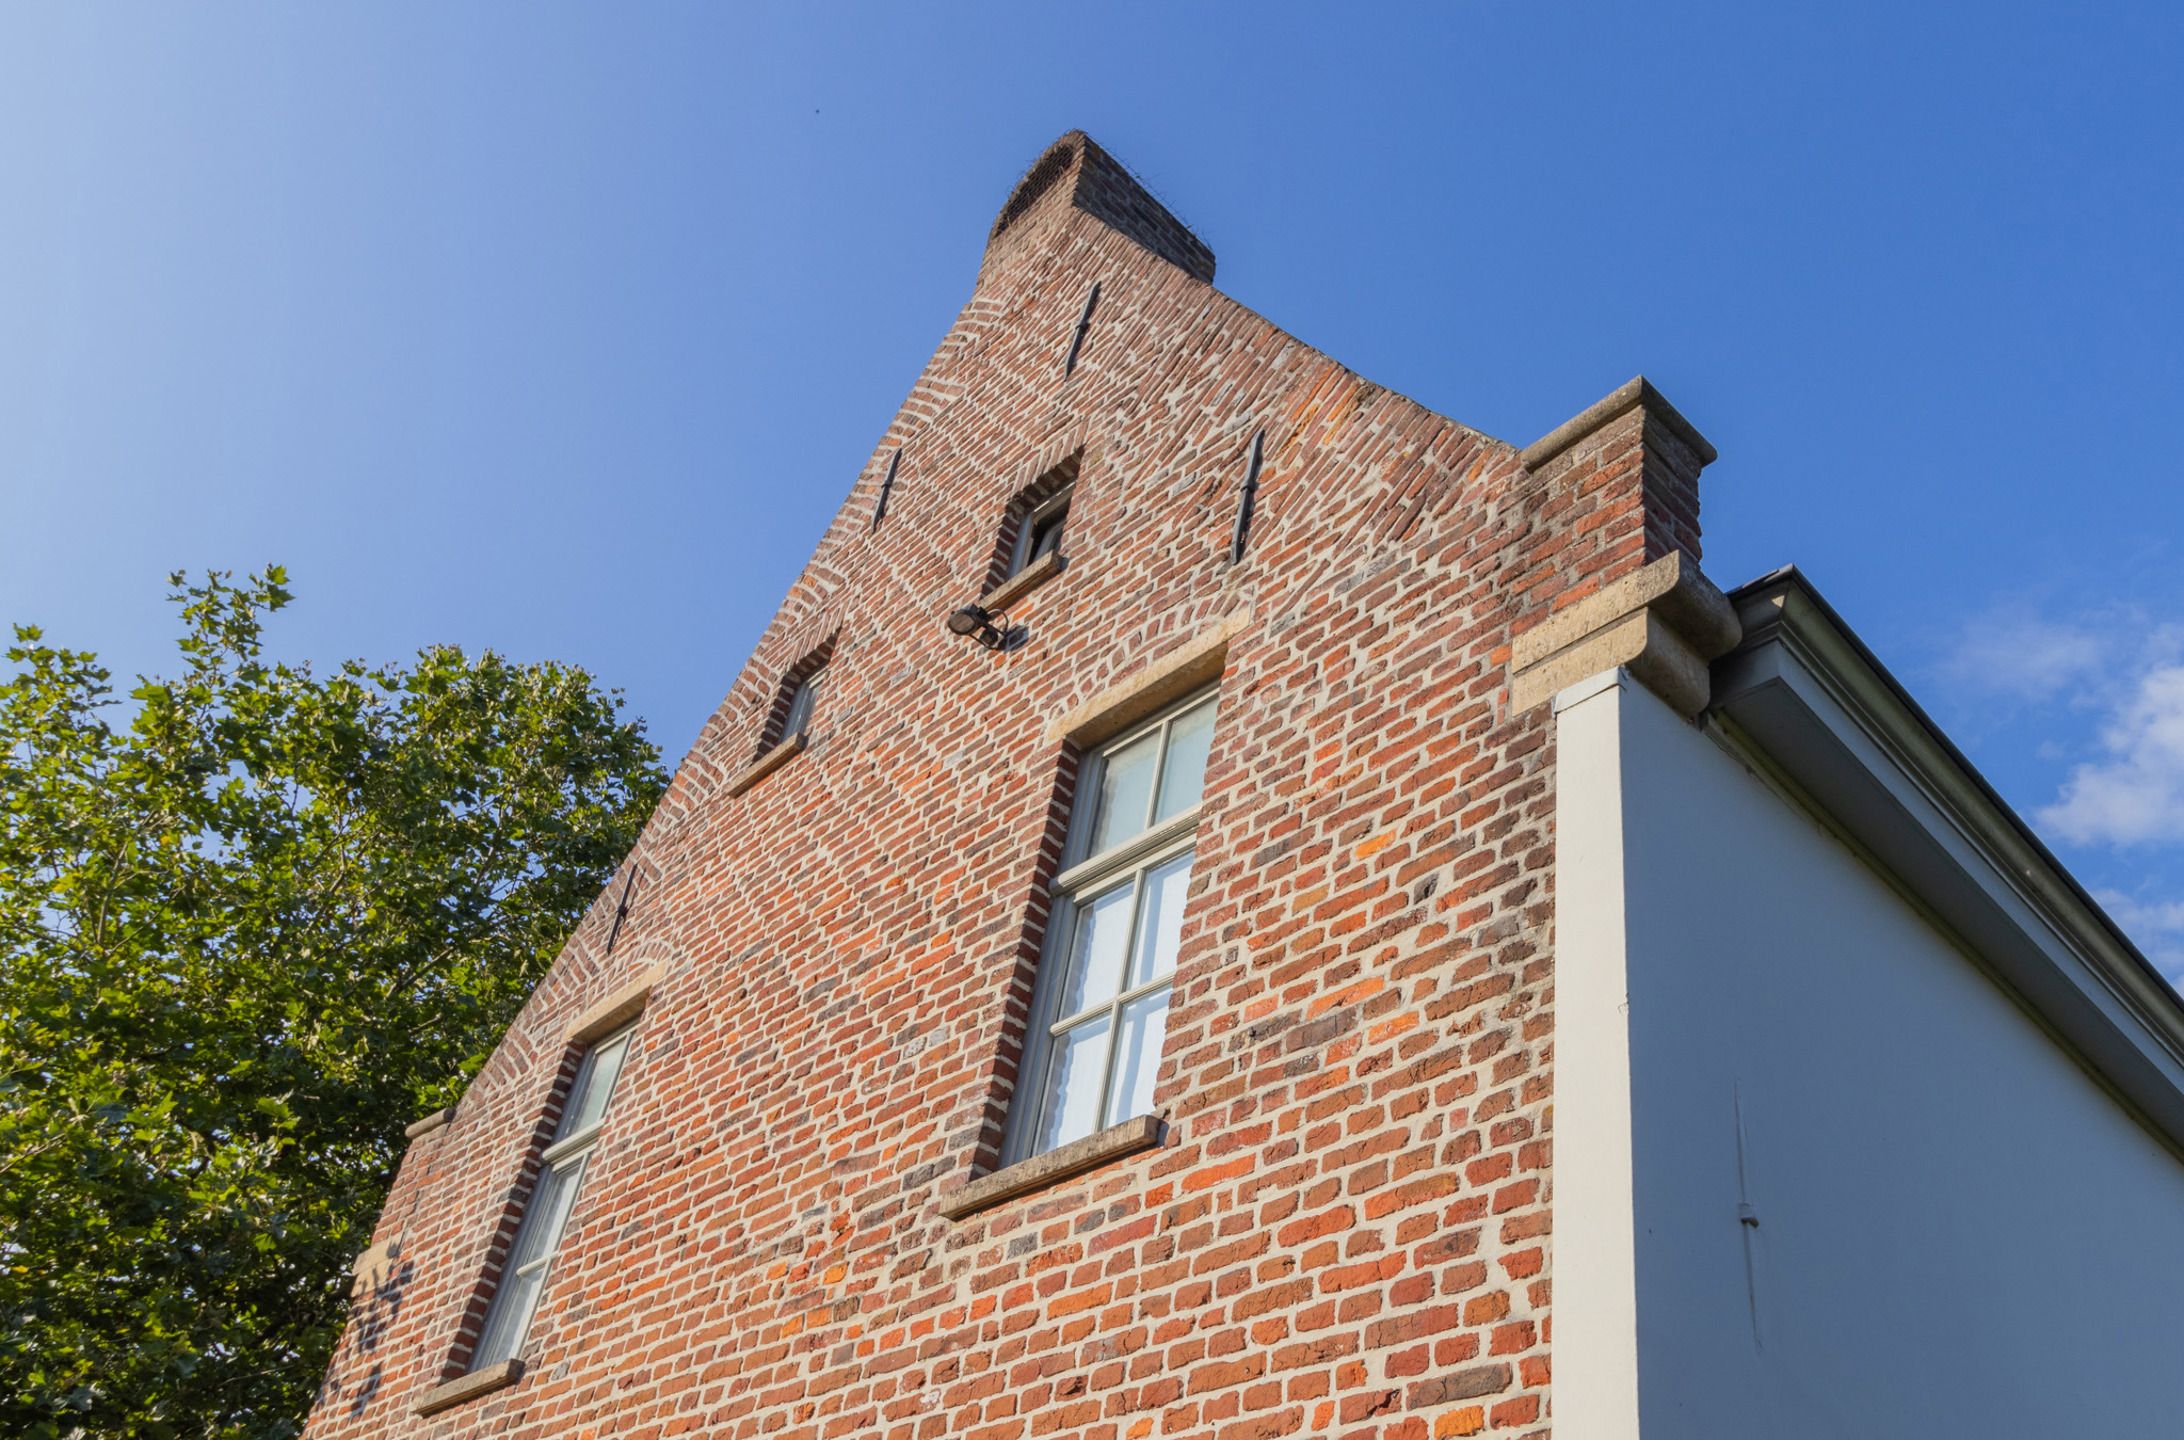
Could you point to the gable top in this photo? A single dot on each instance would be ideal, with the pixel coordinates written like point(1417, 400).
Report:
point(1075, 174)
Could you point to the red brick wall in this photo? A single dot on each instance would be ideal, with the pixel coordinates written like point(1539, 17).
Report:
point(1346, 1230)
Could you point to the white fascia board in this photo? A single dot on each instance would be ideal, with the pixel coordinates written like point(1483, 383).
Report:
point(1801, 696)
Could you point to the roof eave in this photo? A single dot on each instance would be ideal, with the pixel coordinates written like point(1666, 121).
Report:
point(1804, 695)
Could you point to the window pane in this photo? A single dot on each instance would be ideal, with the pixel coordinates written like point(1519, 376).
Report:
point(594, 1087)
point(510, 1317)
point(1097, 951)
point(1144, 1026)
point(1183, 773)
point(524, 1271)
point(546, 1213)
point(1046, 533)
point(1126, 791)
point(1079, 1067)
point(1160, 932)
point(800, 706)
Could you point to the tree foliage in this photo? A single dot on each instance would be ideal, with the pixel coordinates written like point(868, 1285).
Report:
point(253, 919)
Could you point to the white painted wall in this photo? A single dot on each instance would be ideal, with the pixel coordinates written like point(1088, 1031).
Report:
point(1960, 1232)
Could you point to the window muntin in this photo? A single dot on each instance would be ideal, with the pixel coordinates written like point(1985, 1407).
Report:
point(1101, 1005)
point(1040, 532)
point(546, 1214)
point(802, 700)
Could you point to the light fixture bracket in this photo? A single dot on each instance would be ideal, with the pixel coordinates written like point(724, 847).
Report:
point(977, 623)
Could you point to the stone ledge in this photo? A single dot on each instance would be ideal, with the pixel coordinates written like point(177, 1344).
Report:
point(450, 1393)
point(604, 1017)
point(384, 1253)
point(1634, 393)
point(766, 764)
point(1663, 623)
point(431, 1122)
point(1198, 661)
point(1094, 1150)
point(1024, 581)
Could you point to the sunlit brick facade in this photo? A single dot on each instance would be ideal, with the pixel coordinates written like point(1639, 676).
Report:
point(802, 1213)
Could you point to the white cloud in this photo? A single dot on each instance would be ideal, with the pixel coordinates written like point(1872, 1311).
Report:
point(2135, 792)
point(2102, 688)
point(2015, 652)
point(2143, 917)
point(2157, 926)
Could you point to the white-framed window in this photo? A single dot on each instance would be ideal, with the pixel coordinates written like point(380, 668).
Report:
point(1100, 1004)
point(1040, 531)
point(802, 700)
point(538, 1233)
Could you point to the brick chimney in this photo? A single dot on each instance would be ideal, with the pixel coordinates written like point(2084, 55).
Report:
point(1076, 175)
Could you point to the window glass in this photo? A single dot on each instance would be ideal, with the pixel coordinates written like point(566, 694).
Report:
point(525, 1273)
point(1160, 931)
point(594, 1087)
point(1137, 1057)
point(1125, 793)
point(1080, 1062)
point(801, 704)
point(547, 1212)
point(513, 1303)
point(1183, 771)
point(1097, 953)
point(1046, 532)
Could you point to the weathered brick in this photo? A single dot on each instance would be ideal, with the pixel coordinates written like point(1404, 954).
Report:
point(1356, 1084)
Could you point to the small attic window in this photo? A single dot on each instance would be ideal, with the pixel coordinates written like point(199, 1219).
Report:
point(801, 701)
point(1037, 520)
point(1041, 178)
point(796, 700)
point(1041, 532)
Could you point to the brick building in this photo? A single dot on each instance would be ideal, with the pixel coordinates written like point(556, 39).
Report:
point(1222, 895)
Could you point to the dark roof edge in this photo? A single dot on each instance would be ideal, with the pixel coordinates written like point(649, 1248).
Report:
point(1798, 660)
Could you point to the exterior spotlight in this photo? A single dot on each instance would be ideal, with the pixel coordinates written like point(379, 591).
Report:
point(976, 621)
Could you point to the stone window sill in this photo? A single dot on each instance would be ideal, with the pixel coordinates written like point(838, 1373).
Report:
point(1024, 581)
point(1141, 1133)
point(450, 1393)
point(766, 764)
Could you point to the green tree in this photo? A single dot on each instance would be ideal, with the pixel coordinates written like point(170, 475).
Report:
point(253, 919)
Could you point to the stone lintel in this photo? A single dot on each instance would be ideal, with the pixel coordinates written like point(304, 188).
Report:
point(1196, 662)
point(617, 1009)
point(1141, 1133)
point(468, 1386)
point(1663, 623)
point(1635, 393)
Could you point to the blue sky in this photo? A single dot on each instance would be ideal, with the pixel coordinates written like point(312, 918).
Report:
point(563, 330)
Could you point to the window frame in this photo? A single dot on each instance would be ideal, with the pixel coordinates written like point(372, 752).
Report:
point(1055, 507)
point(1083, 879)
point(565, 1155)
point(803, 691)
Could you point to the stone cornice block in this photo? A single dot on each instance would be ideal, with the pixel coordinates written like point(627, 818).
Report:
point(430, 1123)
point(1663, 623)
point(378, 1257)
point(1633, 394)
